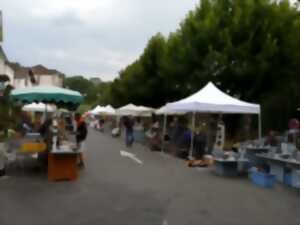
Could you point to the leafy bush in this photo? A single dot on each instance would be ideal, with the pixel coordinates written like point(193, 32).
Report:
point(9, 113)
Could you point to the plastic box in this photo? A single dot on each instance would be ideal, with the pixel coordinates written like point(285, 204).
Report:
point(277, 169)
point(228, 169)
point(292, 179)
point(262, 179)
point(287, 180)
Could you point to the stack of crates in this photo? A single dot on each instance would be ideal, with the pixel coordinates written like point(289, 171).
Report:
point(292, 178)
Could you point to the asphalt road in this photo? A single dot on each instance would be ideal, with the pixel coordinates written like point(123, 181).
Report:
point(145, 189)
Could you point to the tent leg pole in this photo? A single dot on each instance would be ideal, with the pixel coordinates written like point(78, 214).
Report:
point(192, 136)
point(164, 132)
point(259, 127)
point(45, 117)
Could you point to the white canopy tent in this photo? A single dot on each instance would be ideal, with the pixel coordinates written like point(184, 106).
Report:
point(96, 110)
point(39, 107)
point(127, 110)
point(109, 110)
point(210, 99)
point(134, 110)
point(146, 109)
point(164, 111)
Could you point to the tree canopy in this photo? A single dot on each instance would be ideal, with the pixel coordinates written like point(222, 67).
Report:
point(249, 48)
point(93, 92)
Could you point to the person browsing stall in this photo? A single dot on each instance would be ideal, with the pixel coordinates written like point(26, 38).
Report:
point(81, 134)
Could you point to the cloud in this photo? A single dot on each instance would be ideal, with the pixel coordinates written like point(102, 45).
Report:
point(88, 37)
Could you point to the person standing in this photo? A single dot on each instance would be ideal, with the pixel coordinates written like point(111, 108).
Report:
point(81, 134)
point(128, 124)
point(3, 158)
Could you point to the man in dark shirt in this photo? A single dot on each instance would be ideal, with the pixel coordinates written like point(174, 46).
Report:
point(81, 134)
point(128, 124)
point(81, 131)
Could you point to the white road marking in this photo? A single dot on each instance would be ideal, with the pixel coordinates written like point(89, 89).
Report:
point(131, 156)
point(126, 154)
point(165, 222)
point(137, 160)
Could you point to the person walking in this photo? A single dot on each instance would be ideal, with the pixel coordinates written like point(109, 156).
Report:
point(3, 159)
point(128, 124)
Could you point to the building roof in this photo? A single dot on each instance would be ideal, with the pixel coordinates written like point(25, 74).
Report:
point(22, 71)
point(42, 70)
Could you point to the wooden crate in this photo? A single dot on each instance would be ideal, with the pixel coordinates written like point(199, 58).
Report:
point(62, 167)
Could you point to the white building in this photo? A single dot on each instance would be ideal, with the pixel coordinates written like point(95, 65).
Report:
point(40, 76)
point(18, 76)
point(47, 77)
point(5, 69)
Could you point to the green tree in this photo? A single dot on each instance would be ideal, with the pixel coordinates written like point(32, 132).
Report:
point(78, 83)
point(9, 112)
point(249, 48)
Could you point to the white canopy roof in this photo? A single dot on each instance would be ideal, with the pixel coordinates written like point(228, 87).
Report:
point(134, 110)
point(210, 99)
point(38, 107)
point(163, 110)
point(109, 110)
point(96, 110)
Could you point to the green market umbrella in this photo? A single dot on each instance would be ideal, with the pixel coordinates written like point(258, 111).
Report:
point(47, 94)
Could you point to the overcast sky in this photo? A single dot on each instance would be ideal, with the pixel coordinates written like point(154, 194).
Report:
point(87, 37)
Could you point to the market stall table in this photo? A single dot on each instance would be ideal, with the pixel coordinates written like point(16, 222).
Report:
point(229, 167)
point(26, 147)
point(279, 165)
point(293, 178)
point(62, 165)
point(210, 99)
point(251, 154)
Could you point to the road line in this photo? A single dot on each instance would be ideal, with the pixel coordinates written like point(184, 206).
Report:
point(137, 160)
point(165, 222)
point(131, 156)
